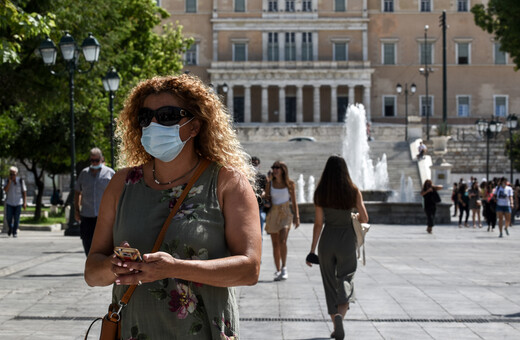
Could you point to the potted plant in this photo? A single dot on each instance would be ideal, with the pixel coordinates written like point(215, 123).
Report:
point(440, 142)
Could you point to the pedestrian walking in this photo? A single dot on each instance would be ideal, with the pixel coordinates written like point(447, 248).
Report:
point(280, 191)
point(504, 197)
point(335, 198)
point(92, 182)
point(490, 206)
point(475, 203)
point(431, 197)
point(260, 183)
point(454, 198)
point(463, 200)
point(16, 199)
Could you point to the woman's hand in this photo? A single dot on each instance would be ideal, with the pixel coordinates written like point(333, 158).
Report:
point(296, 221)
point(155, 266)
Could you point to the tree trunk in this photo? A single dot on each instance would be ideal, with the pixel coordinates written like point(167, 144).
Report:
point(38, 181)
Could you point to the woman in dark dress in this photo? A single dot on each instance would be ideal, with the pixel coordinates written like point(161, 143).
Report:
point(335, 198)
point(463, 200)
point(429, 191)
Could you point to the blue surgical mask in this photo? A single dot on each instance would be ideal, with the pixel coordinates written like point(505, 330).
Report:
point(163, 142)
point(95, 167)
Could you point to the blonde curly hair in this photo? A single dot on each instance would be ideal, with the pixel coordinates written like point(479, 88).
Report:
point(216, 141)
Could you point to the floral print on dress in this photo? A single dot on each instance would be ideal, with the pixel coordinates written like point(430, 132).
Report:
point(183, 301)
point(136, 335)
point(134, 175)
point(186, 210)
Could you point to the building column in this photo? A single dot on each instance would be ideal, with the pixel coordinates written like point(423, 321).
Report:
point(265, 101)
point(365, 45)
point(316, 101)
point(281, 46)
point(333, 103)
point(215, 45)
point(366, 101)
point(265, 37)
point(247, 103)
point(298, 41)
point(315, 45)
point(351, 95)
point(230, 99)
point(281, 104)
point(299, 103)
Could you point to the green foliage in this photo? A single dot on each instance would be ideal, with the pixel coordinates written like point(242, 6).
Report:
point(515, 152)
point(35, 106)
point(443, 129)
point(501, 19)
point(17, 26)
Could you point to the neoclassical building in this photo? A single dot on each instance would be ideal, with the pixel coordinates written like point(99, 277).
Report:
point(304, 61)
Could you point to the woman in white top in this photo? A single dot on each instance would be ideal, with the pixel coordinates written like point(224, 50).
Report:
point(281, 192)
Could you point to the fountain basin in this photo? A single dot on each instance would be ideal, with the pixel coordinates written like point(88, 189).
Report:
point(376, 195)
point(389, 213)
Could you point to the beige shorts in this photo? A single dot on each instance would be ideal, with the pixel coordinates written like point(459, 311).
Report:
point(279, 217)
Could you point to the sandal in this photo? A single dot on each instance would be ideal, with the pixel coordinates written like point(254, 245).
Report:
point(339, 332)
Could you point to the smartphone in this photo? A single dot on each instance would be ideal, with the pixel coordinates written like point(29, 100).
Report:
point(128, 254)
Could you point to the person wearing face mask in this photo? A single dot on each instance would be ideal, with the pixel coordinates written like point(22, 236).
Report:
point(173, 129)
point(91, 183)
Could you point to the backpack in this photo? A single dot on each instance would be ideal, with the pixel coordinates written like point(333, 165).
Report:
point(360, 229)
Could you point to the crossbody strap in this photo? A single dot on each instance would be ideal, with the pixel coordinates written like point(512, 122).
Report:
point(200, 169)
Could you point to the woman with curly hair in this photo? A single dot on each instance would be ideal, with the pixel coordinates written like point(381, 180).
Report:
point(335, 199)
point(168, 127)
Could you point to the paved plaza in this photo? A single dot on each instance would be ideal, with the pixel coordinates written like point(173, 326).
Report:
point(454, 284)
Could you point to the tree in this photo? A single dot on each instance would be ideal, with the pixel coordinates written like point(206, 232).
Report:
point(501, 19)
point(34, 105)
point(19, 26)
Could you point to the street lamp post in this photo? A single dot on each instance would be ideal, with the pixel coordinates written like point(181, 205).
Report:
point(71, 52)
point(489, 130)
point(426, 73)
point(399, 90)
point(511, 123)
point(111, 84)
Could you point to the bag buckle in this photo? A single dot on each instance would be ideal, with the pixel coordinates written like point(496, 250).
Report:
point(117, 315)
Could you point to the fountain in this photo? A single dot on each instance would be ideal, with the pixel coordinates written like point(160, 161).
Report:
point(372, 180)
point(310, 189)
point(300, 197)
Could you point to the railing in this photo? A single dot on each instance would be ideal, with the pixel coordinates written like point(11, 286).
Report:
point(333, 65)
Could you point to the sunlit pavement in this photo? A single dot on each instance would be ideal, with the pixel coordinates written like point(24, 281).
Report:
point(454, 284)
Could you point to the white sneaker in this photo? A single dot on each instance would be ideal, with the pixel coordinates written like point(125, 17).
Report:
point(277, 276)
point(284, 275)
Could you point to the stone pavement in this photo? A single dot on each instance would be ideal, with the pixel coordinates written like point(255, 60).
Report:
point(454, 284)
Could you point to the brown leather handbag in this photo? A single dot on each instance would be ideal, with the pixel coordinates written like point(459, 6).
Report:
point(111, 322)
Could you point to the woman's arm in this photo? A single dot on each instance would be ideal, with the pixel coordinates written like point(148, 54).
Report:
point(100, 268)
point(296, 217)
point(363, 215)
point(242, 232)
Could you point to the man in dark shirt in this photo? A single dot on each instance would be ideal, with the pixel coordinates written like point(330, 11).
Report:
point(260, 190)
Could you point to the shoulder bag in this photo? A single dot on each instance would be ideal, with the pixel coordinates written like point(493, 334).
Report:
point(436, 196)
point(110, 323)
point(360, 229)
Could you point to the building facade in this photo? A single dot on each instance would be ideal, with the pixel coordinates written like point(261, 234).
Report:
point(304, 61)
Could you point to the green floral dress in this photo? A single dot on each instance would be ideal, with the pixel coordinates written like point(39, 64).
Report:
point(174, 308)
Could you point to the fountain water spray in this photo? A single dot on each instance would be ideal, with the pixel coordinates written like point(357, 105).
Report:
point(356, 152)
point(300, 197)
point(310, 189)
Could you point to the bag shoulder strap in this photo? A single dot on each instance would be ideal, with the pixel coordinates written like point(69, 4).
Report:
point(200, 169)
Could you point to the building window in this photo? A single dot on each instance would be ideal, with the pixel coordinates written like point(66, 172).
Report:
point(500, 106)
point(306, 46)
point(191, 55)
point(272, 47)
point(191, 6)
point(272, 6)
point(339, 6)
point(389, 53)
point(463, 106)
point(158, 3)
point(239, 52)
point(426, 55)
point(426, 5)
point(425, 109)
point(463, 53)
point(307, 6)
point(289, 5)
point(388, 5)
point(500, 57)
point(340, 51)
point(389, 107)
point(240, 5)
point(462, 5)
point(290, 47)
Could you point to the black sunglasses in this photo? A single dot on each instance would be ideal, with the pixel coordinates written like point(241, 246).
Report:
point(166, 115)
point(275, 167)
point(95, 160)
